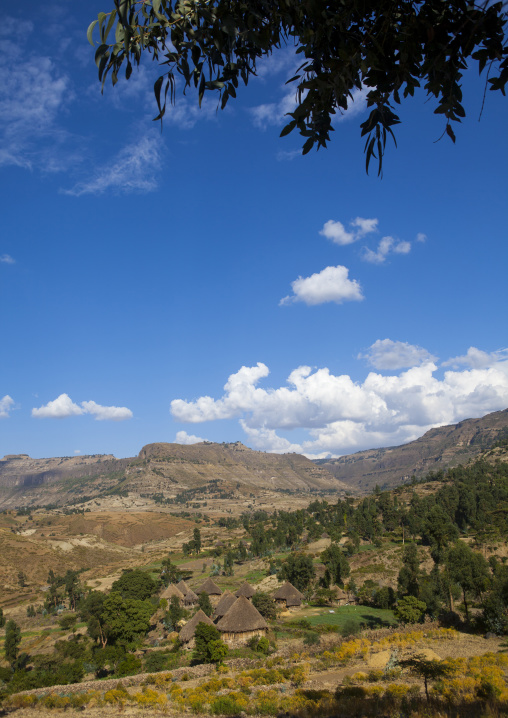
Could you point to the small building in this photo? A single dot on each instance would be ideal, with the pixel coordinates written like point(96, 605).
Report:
point(186, 635)
point(245, 590)
point(170, 591)
point(190, 599)
point(213, 591)
point(342, 597)
point(182, 586)
point(226, 601)
point(288, 597)
point(241, 623)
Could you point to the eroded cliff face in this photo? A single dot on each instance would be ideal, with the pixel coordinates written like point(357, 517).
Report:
point(437, 449)
point(28, 481)
point(159, 468)
point(21, 470)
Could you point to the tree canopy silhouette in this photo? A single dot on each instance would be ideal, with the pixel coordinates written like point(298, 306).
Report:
point(387, 49)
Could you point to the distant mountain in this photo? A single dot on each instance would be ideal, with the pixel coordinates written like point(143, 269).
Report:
point(437, 449)
point(159, 468)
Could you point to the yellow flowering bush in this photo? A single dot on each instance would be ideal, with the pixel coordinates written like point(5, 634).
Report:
point(477, 677)
point(116, 695)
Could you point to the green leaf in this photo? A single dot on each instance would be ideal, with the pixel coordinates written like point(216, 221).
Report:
point(308, 146)
point(101, 50)
point(450, 133)
point(89, 32)
point(288, 128)
point(110, 23)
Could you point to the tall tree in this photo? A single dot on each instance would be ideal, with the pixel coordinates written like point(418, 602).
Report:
point(336, 563)
point(135, 583)
point(298, 569)
point(197, 540)
point(91, 610)
point(387, 49)
point(408, 578)
point(469, 569)
point(205, 604)
point(126, 618)
point(12, 641)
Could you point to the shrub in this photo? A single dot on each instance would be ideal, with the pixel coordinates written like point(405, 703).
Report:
point(66, 622)
point(311, 639)
point(150, 698)
point(156, 661)
point(128, 666)
point(410, 610)
point(350, 628)
point(225, 705)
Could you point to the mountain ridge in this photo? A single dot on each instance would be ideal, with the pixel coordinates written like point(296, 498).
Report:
point(437, 449)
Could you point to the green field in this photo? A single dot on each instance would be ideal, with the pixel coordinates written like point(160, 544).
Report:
point(362, 616)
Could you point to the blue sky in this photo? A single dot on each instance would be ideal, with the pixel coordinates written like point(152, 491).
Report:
point(211, 283)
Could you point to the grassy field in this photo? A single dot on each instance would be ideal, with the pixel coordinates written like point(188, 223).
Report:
point(361, 616)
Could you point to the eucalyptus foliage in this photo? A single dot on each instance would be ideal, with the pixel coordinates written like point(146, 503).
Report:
point(388, 48)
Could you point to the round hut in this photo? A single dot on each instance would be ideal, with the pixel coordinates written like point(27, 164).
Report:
point(182, 586)
point(212, 590)
point(190, 599)
point(226, 601)
point(245, 590)
point(241, 623)
point(288, 597)
point(186, 635)
point(170, 591)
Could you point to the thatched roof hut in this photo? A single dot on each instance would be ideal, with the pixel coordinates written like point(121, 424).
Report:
point(226, 601)
point(170, 591)
point(182, 586)
point(242, 622)
point(186, 635)
point(190, 598)
point(210, 588)
point(288, 596)
point(245, 590)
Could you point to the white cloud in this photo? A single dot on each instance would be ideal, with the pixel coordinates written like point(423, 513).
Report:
point(420, 237)
point(385, 247)
point(337, 233)
point(330, 285)
point(33, 91)
point(341, 415)
point(6, 404)
point(106, 413)
point(135, 169)
point(7, 259)
point(63, 407)
point(402, 248)
point(268, 440)
point(283, 60)
point(274, 113)
point(182, 437)
point(59, 408)
point(77, 452)
point(355, 106)
point(287, 155)
point(478, 359)
point(240, 390)
point(364, 226)
point(387, 354)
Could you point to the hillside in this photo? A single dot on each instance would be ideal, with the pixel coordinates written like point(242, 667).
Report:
point(437, 449)
point(165, 469)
